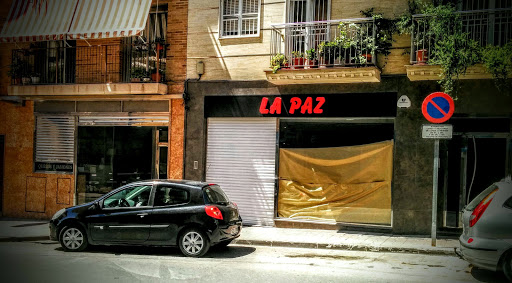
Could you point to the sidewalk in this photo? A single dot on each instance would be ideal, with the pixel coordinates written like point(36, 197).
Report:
point(12, 230)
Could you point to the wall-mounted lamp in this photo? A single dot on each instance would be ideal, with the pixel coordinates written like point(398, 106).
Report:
point(200, 68)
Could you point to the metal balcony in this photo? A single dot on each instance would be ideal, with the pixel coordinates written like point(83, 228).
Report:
point(322, 44)
point(120, 63)
point(487, 27)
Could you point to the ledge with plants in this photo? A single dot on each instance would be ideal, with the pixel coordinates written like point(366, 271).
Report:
point(443, 45)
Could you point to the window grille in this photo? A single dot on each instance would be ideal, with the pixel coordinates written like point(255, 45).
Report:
point(240, 18)
point(55, 139)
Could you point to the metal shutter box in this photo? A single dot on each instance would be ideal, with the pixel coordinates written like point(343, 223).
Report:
point(241, 158)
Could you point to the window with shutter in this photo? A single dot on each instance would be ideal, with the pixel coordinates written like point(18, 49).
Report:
point(240, 18)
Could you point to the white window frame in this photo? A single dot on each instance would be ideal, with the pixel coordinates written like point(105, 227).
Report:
point(241, 16)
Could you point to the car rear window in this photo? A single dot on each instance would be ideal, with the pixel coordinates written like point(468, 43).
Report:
point(492, 189)
point(214, 194)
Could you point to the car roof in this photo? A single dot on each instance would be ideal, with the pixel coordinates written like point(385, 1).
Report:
point(191, 183)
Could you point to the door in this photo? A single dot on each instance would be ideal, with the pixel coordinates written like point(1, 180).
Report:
point(471, 164)
point(124, 216)
point(241, 158)
point(170, 211)
point(2, 145)
point(307, 36)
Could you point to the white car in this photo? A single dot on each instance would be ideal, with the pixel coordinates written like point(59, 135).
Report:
point(486, 241)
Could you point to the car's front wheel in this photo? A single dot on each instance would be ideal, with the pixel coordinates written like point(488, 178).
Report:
point(73, 238)
point(507, 266)
point(194, 242)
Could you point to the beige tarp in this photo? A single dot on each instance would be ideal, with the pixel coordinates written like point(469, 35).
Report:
point(344, 184)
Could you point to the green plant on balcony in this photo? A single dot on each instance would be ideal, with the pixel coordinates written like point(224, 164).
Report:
point(498, 61)
point(454, 50)
point(298, 59)
point(329, 51)
point(137, 74)
point(277, 62)
point(312, 57)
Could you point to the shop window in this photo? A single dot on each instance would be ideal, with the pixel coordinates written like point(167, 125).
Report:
point(109, 157)
point(240, 18)
point(338, 172)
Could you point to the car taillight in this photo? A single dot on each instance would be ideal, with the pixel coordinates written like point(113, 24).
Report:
point(213, 212)
point(480, 209)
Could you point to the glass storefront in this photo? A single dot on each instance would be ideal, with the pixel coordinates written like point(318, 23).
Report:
point(109, 157)
point(335, 171)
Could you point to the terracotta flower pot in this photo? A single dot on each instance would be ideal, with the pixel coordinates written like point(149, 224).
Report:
point(421, 56)
point(298, 63)
point(156, 77)
point(312, 64)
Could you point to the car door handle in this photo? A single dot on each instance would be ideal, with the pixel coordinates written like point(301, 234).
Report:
point(142, 215)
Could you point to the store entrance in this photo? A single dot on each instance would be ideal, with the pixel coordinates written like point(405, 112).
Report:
point(469, 164)
point(109, 157)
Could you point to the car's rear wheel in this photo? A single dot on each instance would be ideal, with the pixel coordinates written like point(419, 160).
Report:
point(73, 238)
point(194, 242)
point(507, 266)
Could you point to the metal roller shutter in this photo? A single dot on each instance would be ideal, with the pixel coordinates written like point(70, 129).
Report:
point(55, 139)
point(241, 155)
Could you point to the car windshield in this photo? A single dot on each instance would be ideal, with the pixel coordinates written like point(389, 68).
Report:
point(214, 194)
point(491, 190)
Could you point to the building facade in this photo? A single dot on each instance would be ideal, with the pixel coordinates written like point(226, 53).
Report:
point(90, 101)
point(329, 139)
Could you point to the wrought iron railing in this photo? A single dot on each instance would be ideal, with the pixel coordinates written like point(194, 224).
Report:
point(487, 27)
point(325, 43)
point(89, 64)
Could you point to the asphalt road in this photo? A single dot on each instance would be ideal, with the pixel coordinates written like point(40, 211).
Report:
point(45, 261)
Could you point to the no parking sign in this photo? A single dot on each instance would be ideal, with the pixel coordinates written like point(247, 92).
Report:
point(438, 107)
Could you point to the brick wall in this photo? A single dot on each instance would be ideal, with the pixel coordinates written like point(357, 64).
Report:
point(177, 27)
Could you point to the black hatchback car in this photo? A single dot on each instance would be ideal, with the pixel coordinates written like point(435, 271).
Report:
point(189, 214)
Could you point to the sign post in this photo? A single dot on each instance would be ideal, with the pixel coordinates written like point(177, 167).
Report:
point(437, 108)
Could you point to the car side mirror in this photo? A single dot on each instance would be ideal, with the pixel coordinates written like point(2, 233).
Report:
point(94, 206)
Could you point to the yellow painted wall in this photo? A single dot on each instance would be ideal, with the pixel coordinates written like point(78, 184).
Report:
point(248, 58)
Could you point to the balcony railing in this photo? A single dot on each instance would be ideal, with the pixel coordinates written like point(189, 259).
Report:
point(325, 43)
point(487, 27)
point(89, 64)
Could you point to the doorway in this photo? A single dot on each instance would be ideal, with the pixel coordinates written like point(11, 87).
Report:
point(2, 145)
point(469, 164)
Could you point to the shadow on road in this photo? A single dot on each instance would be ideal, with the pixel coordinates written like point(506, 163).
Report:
point(214, 252)
point(483, 275)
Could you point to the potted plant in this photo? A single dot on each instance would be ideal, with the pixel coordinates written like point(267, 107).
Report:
point(157, 76)
point(312, 58)
point(137, 74)
point(328, 52)
point(35, 78)
point(16, 70)
point(421, 56)
point(277, 62)
point(298, 60)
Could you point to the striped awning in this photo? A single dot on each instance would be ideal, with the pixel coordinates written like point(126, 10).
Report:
point(40, 20)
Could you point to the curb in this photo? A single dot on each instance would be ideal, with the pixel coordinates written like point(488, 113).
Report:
point(439, 251)
point(24, 239)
